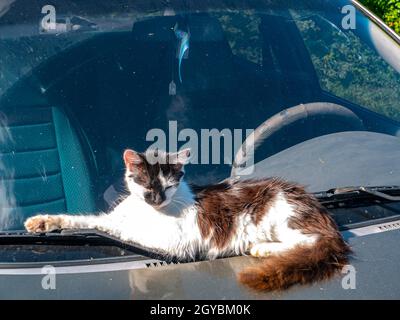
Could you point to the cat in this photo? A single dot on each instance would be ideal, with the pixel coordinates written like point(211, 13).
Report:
point(269, 218)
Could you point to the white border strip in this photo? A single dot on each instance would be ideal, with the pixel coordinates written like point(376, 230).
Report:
point(105, 267)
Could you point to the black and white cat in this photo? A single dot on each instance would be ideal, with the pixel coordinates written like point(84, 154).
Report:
point(267, 218)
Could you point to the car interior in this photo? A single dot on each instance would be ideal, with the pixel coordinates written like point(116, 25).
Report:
point(102, 95)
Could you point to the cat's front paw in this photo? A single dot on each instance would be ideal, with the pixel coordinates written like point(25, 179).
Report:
point(42, 223)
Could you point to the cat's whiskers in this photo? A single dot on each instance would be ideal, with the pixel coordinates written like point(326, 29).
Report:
point(183, 200)
point(178, 204)
point(182, 203)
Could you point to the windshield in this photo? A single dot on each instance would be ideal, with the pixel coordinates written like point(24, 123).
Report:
point(80, 81)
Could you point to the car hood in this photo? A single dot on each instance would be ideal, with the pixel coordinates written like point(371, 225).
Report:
point(374, 264)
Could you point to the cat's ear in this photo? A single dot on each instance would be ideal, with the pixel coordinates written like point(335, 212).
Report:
point(183, 156)
point(132, 159)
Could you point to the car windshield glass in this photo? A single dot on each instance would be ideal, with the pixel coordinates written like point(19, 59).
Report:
point(317, 83)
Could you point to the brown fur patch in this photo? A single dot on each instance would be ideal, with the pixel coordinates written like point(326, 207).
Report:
point(220, 205)
point(302, 264)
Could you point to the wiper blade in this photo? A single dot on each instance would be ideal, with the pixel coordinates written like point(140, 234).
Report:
point(64, 235)
point(56, 233)
point(357, 195)
point(81, 237)
point(73, 236)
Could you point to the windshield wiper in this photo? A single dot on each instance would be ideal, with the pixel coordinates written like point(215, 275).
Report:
point(346, 196)
point(59, 235)
point(80, 237)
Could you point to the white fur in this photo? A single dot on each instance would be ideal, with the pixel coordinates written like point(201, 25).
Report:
point(174, 229)
point(259, 239)
point(276, 219)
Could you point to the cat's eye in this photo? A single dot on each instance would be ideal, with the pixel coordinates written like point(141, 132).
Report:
point(172, 186)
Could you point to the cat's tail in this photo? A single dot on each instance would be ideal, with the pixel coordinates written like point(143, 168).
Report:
point(300, 265)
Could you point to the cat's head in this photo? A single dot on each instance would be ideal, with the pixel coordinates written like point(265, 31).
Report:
point(154, 175)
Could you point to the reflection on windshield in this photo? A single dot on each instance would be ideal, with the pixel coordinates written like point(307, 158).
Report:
point(21, 55)
point(5, 6)
point(348, 65)
point(7, 197)
point(76, 98)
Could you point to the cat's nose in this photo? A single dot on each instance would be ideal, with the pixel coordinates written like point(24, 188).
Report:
point(154, 199)
point(158, 199)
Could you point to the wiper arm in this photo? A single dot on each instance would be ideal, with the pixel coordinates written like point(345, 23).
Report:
point(71, 236)
point(81, 237)
point(78, 234)
point(359, 194)
point(380, 194)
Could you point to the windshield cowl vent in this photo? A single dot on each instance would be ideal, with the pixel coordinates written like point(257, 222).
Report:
point(389, 226)
point(159, 264)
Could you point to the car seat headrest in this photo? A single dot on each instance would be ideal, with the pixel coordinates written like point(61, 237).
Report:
point(203, 28)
